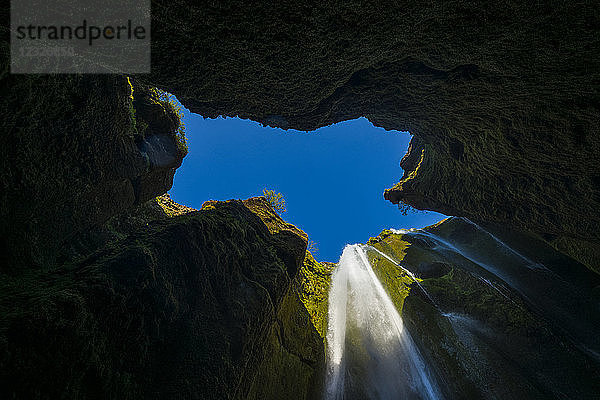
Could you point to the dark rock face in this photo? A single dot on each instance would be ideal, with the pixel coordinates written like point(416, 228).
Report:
point(427, 270)
point(503, 315)
point(75, 151)
point(504, 100)
point(180, 308)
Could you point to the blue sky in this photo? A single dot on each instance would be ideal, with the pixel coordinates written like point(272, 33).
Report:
point(332, 179)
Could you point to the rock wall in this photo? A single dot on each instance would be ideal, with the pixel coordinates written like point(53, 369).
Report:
point(74, 152)
point(176, 304)
point(504, 105)
point(496, 313)
point(295, 350)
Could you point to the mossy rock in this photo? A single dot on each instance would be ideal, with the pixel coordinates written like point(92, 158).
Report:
point(295, 361)
point(73, 155)
point(180, 307)
point(480, 336)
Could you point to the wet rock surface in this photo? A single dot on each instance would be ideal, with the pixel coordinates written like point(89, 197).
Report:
point(506, 317)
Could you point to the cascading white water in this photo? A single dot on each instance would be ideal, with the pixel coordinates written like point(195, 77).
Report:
point(369, 354)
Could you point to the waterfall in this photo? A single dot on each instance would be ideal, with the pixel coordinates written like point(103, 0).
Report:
point(369, 354)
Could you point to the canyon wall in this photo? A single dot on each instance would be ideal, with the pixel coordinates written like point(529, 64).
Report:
point(164, 302)
point(105, 294)
point(495, 313)
point(76, 151)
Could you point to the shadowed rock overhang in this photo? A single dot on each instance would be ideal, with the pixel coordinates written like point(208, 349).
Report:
point(503, 102)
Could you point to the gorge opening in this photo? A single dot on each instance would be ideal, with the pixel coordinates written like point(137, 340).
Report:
point(326, 176)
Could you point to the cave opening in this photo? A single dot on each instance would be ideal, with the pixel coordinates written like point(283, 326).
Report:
point(332, 179)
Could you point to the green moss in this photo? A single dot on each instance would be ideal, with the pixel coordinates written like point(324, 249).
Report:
point(171, 208)
point(484, 340)
point(445, 354)
point(172, 107)
point(463, 293)
point(391, 244)
point(394, 279)
point(282, 373)
point(264, 210)
point(586, 252)
point(134, 129)
point(494, 344)
point(295, 357)
point(133, 119)
point(313, 291)
point(456, 289)
point(396, 282)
